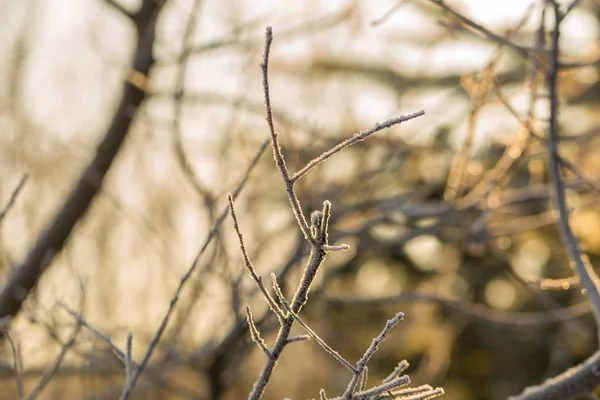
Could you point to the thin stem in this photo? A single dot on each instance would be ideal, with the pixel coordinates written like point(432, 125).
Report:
point(257, 279)
point(308, 329)
point(277, 153)
point(17, 364)
point(13, 197)
point(353, 140)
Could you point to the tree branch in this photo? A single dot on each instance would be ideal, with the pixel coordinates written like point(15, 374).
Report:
point(583, 378)
point(52, 239)
point(118, 7)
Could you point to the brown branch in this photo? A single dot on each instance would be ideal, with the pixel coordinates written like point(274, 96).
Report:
point(17, 364)
point(524, 52)
point(583, 378)
point(119, 8)
point(571, 384)
point(277, 152)
point(360, 136)
point(315, 232)
point(587, 275)
point(120, 354)
point(52, 239)
point(248, 264)
point(13, 197)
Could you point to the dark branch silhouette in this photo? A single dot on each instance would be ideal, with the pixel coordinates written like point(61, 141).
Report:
point(52, 239)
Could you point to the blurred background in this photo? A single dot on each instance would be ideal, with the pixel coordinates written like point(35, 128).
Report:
point(449, 216)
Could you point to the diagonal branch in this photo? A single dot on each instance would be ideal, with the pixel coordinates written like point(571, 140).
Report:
point(13, 197)
point(524, 52)
point(118, 7)
point(52, 240)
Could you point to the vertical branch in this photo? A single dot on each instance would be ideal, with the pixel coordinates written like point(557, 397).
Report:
point(17, 364)
point(277, 153)
point(316, 233)
point(583, 378)
point(128, 361)
point(316, 258)
point(587, 275)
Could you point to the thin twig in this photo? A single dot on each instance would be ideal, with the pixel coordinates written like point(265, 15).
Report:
point(299, 338)
point(308, 329)
point(362, 363)
point(13, 197)
point(49, 372)
point(379, 390)
point(81, 321)
point(277, 153)
point(316, 258)
point(185, 278)
point(129, 363)
point(17, 364)
point(400, 368)
point(524, 52)
point(257, 279)
point(118, 7)
point(583, 378)
point(255, 334)
point(424, 392)
point(568, 9)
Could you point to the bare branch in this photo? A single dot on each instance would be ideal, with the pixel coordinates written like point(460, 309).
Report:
point(81, 321)
point(353, 140)
point(52, 239)
point(257, 279)
point(51, 371)
point(17, 364)
point(589, 279)
point(277, 153)
point(129, 363)
point(583, 378)
point(255, 334)
point(308, 329)
point(524, 52)
point(362, 363)
point(13, 197)
point(119, 8)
